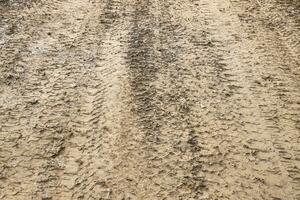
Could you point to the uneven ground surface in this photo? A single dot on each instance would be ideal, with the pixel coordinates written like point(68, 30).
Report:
point(150, 99)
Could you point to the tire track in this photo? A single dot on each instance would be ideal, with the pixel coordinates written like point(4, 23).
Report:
point(55, 102)
point(253, 122)
point(278, 99)
point(165, 155)
point(40, 117)
point(91, 150)
point(180, 135)
point(141, 61)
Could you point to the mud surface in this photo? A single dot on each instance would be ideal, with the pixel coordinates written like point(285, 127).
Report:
point(149, 99)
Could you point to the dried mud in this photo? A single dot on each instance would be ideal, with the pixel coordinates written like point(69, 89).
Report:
point(140, 99)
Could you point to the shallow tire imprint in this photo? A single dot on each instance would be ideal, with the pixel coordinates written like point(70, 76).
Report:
point(149, 99)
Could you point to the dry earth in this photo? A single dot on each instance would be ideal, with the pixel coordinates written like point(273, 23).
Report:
point(150, 99)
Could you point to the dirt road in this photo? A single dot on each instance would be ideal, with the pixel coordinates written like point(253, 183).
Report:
point(150, 100)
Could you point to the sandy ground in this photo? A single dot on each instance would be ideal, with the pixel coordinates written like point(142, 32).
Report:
point(150, 99)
